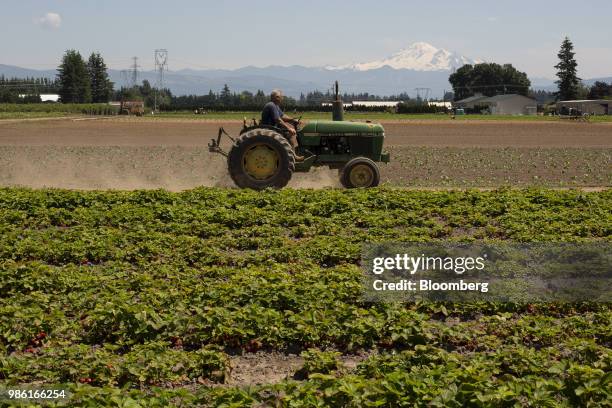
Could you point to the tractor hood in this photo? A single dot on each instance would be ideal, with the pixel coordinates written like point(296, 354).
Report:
point(318, 127)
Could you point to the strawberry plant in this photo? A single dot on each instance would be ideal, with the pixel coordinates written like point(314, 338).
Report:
point(148, 297)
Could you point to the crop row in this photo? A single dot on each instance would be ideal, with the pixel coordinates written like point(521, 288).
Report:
point(84, 108)
point(141, 297)
point(495, 167)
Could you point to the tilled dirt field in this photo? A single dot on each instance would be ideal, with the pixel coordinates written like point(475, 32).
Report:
point(172, 154)
point(273, 367)
point(162, 132)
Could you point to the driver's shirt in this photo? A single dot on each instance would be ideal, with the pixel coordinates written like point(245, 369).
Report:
point(271, 114)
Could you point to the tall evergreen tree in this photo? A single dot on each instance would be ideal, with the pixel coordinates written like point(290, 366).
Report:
point(73, 79)
point(260, 98)
point(101, 86)
point(226, 95)
point(210, 99)
point(567, 72)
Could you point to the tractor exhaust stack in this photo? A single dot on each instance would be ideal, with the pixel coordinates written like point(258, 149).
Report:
point(337, 106)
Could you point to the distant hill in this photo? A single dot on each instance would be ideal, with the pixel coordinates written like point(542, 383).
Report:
point(292, 80)
point(590, 82)
point(10, 71)
point(546, 84)
point(421, 65)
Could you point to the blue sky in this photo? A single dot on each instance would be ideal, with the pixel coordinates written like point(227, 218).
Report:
point(218, 34)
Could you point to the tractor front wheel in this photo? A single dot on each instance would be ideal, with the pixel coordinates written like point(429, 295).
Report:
point(360, 172)
point(261, 158)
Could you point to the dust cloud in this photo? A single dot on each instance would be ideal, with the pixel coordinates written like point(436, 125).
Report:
point(112, 167)
point(174, 168)
point(316, 178)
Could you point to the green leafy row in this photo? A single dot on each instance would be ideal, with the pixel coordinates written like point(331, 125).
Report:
point(142, 297)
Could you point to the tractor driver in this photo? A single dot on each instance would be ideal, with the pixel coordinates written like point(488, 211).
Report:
point(272, 115)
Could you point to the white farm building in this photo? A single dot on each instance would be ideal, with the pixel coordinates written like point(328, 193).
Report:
point(509, 104)
point(45, 97)
point(387, 104)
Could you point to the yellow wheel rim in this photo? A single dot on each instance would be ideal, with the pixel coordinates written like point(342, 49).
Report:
point(361, 175)
point(261, 161)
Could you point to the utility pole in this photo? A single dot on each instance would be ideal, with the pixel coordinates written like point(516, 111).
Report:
point(161, 65)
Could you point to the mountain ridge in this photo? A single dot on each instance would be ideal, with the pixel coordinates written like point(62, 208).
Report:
point(419, 56)
point(420, 65)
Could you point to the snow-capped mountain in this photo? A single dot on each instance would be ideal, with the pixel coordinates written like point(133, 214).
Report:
point(420, 56)
point(420, 65)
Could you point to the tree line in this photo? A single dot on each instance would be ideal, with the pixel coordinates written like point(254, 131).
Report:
point(80, 81)
point(600, 90)
point(77, 81)
point(25, 90)
point(488, 79)
point(162, 98)
point(246, 100)
point(83, 82)
point(492, 79)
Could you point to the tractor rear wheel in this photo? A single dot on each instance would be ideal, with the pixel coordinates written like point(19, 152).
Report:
point(360, 172)
point(261, 158)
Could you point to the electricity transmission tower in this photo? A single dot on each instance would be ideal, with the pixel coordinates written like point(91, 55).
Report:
point(125, 78)
point(161, 65)
point(134, 72)
point(130, 76)
point(425, 91)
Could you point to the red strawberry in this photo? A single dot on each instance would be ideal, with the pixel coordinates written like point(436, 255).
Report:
point(253, 345)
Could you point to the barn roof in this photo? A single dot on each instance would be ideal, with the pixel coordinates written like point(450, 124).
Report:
point(588, 101)
point(474, 98)
point(506, 96)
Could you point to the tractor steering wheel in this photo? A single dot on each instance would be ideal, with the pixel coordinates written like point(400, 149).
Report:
point(298, 121)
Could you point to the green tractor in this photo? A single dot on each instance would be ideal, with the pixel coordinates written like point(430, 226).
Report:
point(262, 157)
